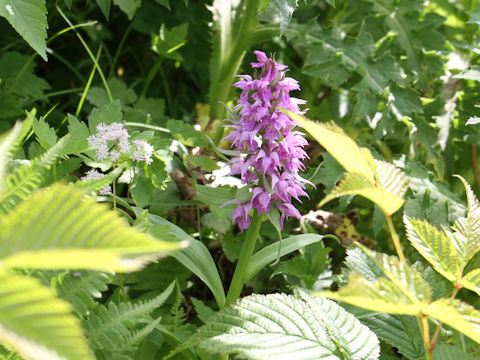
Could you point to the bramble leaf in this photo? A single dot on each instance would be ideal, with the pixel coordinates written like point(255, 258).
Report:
point(29, 19)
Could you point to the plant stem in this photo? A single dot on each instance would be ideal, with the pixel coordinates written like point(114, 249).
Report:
point(238, 280)
point(114, 195)
point(396, 240)
point(423, 323)
point(473, 159)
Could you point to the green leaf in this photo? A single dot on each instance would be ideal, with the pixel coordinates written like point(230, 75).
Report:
point(167, 42)
point(106, 114)
point(269, 254)
point(110, 326)
point(129, 7)
point(203, 162)
point(449, 352)
point(105, 7)
point(46, 136)
point(71, 231)
point(80, 288)
point(9, 143)
point(98, 97)
point(23, 180)
point(279, 326)
point(215, 197)
point(29, 19)
point(33, 319)
point(18, 77)
point(198, 260)
point(400, 331)
point(186, 134)
point(471, 74)
point(285, 9)
point(466, 237)
point(204, 312)
point(458, 315)
point(435, 246)
point(472, 281)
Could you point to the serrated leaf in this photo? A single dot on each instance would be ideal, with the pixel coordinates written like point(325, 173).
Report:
point(449, 352)
point(129, 7)
point(104, 5)
point(29, 19)
point(18, 77)
point(472, 281)
point(32, 319)
point(279, 326)
point(435, 247)
point(458, 315)
point(381, 295)
point(400, 331)
point(285, 9)
point(71, 231)
point(466, 237)
point(106, 114)
point(47, 137)
point(98, 96)
point(357, 184)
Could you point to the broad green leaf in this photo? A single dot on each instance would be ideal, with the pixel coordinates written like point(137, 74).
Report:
point(435, 246)
point(29, 19)
point(400, 331)
point(46, 136)
point(60, 228)
point(449, 352)
point(458, 315)
point(98, 97)
point(129, 7)
point(285, 9)
point(104, 5)
point(358, 184)
point(470, 74)
point(106, 114)
point(354, 341)
point(215, 197)
point(279, 326)
point(203, 162)
point(198, 260)
point(36, 323)
point(269, 254)
point(472, 281)
point(186, 134)
point(18, 76)
point(466, 238)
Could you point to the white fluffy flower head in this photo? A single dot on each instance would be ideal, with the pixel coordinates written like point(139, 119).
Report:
point(110, 141)
point(143, 151)
point(93, 174)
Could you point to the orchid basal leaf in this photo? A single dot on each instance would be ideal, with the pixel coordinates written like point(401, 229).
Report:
point(435, 246)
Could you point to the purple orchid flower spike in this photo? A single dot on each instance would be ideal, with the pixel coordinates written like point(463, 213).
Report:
point(270, 151)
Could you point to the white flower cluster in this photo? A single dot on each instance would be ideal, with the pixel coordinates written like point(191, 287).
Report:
point(111, 141)
point(143, 151)
point(93, 174)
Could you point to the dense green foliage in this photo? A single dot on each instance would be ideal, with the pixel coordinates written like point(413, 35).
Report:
point(116, 239)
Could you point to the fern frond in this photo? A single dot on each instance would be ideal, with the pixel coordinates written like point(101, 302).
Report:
point(20, 184)
point(60, 228)
point(109, 327)
point(36, 323)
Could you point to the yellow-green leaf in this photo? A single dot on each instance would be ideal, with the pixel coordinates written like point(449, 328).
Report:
point(435, 246)
point(60, 226)
point(472, 281)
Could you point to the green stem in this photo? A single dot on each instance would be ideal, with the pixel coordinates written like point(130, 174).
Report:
point(238, 280)
point(114, 195)
point(396, 240)
point(423, 322)
point(89, 83)
point(151, 74)
point(230, 62)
